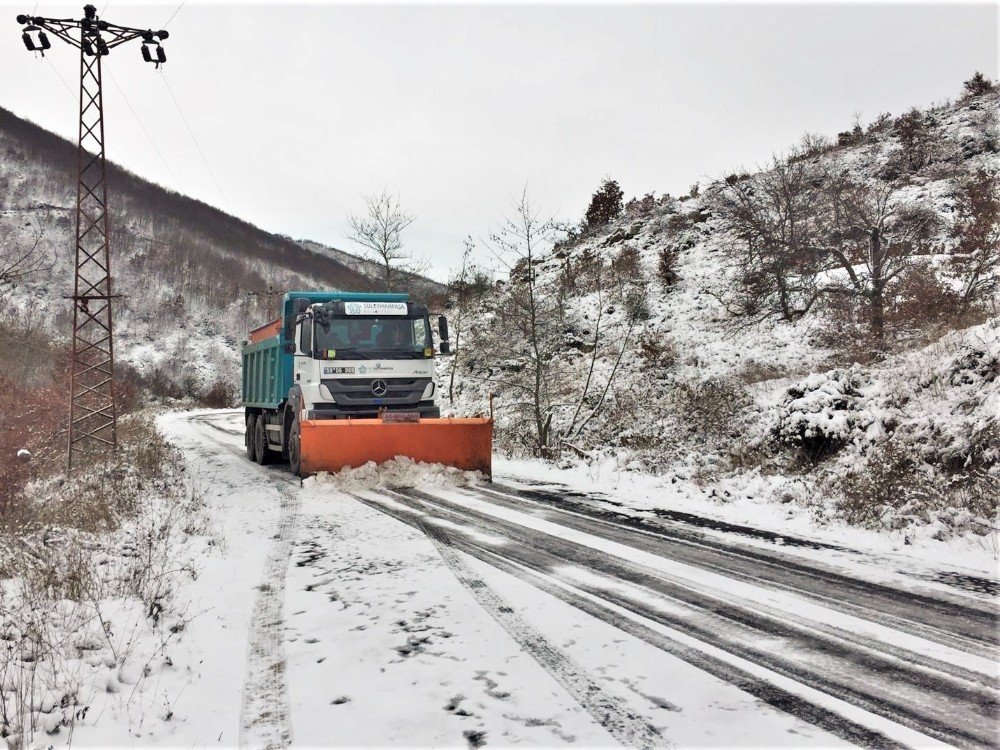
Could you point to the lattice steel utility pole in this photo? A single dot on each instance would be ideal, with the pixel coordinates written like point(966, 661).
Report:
point(270, 295)
point(92, 418)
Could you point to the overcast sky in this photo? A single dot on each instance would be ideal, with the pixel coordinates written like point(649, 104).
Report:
point(300, 110)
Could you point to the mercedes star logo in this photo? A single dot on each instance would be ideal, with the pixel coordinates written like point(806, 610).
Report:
point(379, 388)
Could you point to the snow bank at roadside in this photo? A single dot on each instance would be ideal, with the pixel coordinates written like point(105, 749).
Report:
point(400, 472)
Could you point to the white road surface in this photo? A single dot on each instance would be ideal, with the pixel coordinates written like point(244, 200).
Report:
point(447, 613)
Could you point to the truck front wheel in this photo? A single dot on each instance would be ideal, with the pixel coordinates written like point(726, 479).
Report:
point(295, 448)
point(250, 438)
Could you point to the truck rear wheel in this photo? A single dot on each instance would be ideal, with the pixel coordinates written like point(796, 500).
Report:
point(250, 437)
point(262, 453)
point(295, 448)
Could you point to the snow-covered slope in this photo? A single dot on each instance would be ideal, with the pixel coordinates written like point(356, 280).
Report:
point(194, 278)
point(681, 382)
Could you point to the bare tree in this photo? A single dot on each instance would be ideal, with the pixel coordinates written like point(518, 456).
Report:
point(20, 260)
point(977, 257)
point(531, 313)
point(460, 290)
point(578, 422)
point(380, 234)
point(872, 237)
point(773, 215)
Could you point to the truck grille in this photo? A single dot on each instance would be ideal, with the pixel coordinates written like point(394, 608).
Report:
point(399, 392)
point(368, 383)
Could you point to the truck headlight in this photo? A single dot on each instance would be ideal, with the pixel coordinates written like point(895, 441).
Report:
point(428, 391)
point(325, 392)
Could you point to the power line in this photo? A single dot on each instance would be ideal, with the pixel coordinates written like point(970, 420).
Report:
point(148, 136)
point(175, 13)
point(64, 83)
point(194, 139)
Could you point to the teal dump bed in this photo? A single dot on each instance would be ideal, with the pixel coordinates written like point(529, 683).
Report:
point(267, 368)
point(267, 373)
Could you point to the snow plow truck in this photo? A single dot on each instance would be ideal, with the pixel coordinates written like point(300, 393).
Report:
point(343, 378)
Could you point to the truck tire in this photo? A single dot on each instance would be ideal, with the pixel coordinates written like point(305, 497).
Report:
point(263, 455)
point(294, 448)
point(250, 437)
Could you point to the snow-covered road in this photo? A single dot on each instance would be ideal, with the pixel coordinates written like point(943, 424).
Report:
point(445, 612)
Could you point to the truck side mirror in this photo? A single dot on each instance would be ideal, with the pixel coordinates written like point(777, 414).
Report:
point(443, 328)
point(445, 347)
point(300, 305)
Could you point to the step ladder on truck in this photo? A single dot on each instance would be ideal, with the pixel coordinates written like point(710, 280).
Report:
point(343, 378)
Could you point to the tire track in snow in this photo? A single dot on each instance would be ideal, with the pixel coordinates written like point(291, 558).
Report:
point(880, 687)
point(954, 620)
point(855, 599)
point(620, 721)
point(265, 718)
point(756, 686)
point(265, 714)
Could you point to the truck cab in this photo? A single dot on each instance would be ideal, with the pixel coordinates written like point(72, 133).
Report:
point(337, 356)
point(362, 358)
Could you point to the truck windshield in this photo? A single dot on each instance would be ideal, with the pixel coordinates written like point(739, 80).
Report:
point(359, 337)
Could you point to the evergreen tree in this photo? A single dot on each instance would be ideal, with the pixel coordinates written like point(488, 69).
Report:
point(978, 85)
point(605, 205)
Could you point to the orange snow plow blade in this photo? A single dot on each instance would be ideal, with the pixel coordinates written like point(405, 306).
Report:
point(333, 444)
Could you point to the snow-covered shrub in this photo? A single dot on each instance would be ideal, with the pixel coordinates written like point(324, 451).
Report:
point(90, 569)
point(824, 412)
point(104, 496)
point(637, 304)
point(627, 265)
point(965, 435)
point(32, 405)
point(709, 408)
point(754, 371)
point(887, 480)
point(666, 267)
point(220, 395)
point(657, 351)
point(892, 487)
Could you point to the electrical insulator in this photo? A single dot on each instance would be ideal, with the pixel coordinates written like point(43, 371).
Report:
point(161, 56)
point(22, 19)
point(145, 54)
point(28, 42)
point(88, 48)
point(102, 47)
point(44, 40)
point(163, 34)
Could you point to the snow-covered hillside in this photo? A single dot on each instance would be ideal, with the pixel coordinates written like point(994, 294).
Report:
point(648, 340)
point(194, 279)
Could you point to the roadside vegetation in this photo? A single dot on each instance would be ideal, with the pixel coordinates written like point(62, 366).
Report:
point(827, 320)
point(92, 564)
